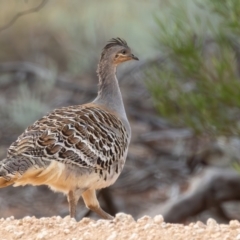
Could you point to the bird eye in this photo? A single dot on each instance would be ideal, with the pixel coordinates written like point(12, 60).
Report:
point(123, 51)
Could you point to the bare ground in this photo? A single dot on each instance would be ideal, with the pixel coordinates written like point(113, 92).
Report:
point(122, 227)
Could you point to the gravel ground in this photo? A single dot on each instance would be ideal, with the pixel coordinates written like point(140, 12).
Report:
point(122, 227)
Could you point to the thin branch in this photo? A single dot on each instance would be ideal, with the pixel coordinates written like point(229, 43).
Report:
point(215, 187)
point(20, 14)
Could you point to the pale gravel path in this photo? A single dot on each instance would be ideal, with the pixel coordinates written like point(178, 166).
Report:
point(122, 227)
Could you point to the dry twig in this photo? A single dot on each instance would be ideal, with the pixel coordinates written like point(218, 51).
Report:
point(215, 187)
point(20, 14)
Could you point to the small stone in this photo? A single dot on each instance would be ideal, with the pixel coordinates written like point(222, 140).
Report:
point(200, 230)
point(85, 220)
point(54, 233)
point(87, 235)
point(102, 222)
point(113, 236)
point(67, 218)
point(147, 226)
point(42, 235)
point(199, 224)
point(238, 237)
point(66, 231)
point(18, 234)
point(123, 217)
point(234, 224)
point(144, 219)
point(216, 235)
point(227, 238)
point(134, 236)
point(58, 218)
point(158, 219)
point(9, 228)
point(18, 223)
point(211, 222)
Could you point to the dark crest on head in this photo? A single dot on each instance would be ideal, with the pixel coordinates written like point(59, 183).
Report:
point(116, 42)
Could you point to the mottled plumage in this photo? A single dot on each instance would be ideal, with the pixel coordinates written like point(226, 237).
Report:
point(76, 149)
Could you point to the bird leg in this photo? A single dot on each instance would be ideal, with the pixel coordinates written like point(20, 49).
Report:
point(91, 202)
point(73, 197)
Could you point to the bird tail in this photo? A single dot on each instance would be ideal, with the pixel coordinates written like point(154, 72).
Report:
point(15, 170)
point(7, 177)
point(4, 182)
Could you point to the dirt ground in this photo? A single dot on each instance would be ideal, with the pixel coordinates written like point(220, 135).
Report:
point(122, 227)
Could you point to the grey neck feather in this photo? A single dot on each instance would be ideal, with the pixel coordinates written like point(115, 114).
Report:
point(109, 94)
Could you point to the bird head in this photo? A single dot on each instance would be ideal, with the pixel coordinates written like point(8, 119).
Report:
point(117, 51)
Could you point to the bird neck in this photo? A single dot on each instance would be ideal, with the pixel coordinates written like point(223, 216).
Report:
point(109, 94)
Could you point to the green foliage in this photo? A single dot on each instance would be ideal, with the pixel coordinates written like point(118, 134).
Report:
point(198, 85)
point(27, 108)
point(30, 101)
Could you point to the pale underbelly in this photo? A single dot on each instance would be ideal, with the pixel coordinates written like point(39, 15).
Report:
point(62, 179)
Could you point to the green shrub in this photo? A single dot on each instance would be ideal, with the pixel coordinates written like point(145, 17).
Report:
point(198, 84)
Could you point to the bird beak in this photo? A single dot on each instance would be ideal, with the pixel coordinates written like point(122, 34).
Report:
point(134, 57)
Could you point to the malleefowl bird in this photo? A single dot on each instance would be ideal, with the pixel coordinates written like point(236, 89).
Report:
point(78, 149)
